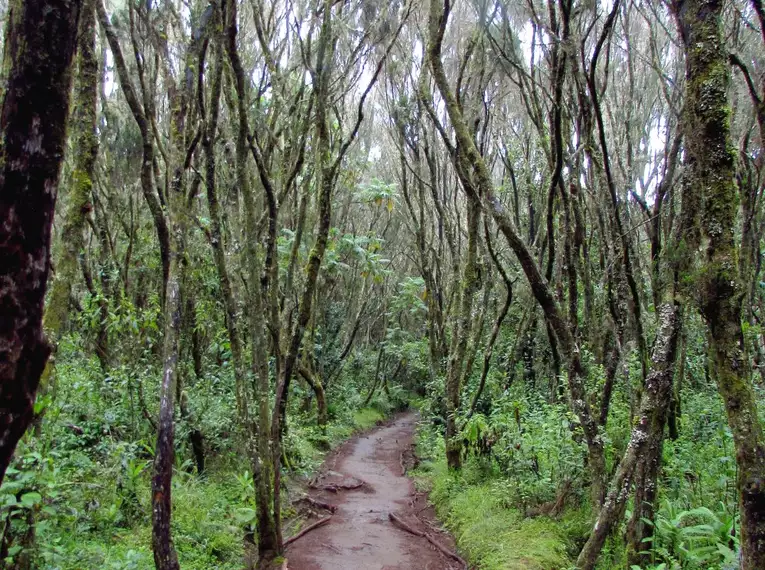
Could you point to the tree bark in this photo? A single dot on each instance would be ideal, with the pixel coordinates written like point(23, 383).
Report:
point(710, 160)
point(165, 557)
point(39, 47)
point(650, 420)
point(456, 369)
point(261, 452)
point(79, 199)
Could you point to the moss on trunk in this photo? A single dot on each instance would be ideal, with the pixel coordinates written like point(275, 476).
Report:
point(710, 162)
point(78, 199)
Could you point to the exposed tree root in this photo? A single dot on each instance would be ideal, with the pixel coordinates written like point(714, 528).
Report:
point(318, 504)
point(308, 529)
point(445, 551)
point(335, 487)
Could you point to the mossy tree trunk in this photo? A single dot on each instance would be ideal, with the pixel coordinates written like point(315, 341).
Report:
point(710, 161)
point(260, 431)
point(649, 421)
point(39, 48)
point(457, 369)
point(79, 199)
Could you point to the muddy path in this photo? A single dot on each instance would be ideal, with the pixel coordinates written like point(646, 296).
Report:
point(363, 479)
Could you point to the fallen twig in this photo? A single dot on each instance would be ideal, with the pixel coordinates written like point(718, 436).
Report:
point(445, 551)
point(308, 529)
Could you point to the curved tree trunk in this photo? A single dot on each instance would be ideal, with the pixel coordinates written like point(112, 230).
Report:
point(650, 421)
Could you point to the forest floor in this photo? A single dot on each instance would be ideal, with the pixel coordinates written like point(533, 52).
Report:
point(364, 495)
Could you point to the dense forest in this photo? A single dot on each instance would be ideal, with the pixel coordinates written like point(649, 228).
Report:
point(233, 234)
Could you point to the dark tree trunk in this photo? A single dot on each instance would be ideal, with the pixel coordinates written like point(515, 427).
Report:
point(39, 46)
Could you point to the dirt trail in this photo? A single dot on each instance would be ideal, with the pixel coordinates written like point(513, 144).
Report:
point(360, 536)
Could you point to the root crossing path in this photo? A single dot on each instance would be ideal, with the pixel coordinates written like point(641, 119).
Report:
point(364, 480)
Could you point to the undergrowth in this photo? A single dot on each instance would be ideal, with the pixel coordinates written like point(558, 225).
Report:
point(86, 480)
point(476, 505)
point(526, 454)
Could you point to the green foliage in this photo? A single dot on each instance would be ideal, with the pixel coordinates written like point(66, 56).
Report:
point(85, 481)
point(367, 418)
point(474, 506)
point(694, 539)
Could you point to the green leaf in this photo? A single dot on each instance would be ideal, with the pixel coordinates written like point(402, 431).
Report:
point(14, 550)
point(29, 500)
point(246, 515)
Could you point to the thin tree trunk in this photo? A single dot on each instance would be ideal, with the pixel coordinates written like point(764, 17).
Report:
point(454, 377)
point(147, 177)
point(260, 451)
point(489, 349)
point(650, 420)
point(321, 399)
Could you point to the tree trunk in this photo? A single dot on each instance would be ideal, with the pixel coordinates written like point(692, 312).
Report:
point(39, 47)
point(639, 530)
point(260, 449)
point(321, 399)
point(650, 420)
point(711, 163)
point(147, 177)
point(455, 374)
point(78, 201)
point(165, 557)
